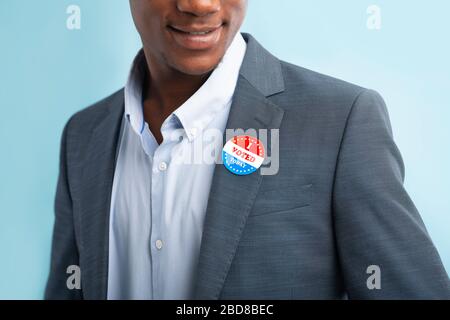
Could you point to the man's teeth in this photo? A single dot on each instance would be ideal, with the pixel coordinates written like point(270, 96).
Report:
point(199, 33)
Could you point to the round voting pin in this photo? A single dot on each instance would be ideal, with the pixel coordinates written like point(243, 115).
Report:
point(243, 155)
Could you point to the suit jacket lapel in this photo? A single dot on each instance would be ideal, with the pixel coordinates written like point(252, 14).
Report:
point(97, 180)
point(231, 197)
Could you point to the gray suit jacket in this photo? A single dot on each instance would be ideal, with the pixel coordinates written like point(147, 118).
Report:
point(336, 206)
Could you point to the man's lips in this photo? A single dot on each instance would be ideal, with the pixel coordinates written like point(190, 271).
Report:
point(196, 37)
point(195, 30)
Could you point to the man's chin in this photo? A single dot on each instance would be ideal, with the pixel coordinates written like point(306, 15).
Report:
point(197, 67)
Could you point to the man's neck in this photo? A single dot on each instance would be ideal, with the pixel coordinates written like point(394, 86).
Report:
point(164, 90)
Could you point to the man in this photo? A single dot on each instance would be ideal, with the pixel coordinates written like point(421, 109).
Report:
point(334, 221)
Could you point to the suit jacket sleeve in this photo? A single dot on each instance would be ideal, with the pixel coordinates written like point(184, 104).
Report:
point(376, 223)
point(64, 247)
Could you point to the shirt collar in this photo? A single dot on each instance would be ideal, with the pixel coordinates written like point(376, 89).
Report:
point(133, 93)
point(201, 108)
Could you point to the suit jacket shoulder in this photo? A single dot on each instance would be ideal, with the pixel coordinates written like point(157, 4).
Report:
point(88, 118)
point(306, 84)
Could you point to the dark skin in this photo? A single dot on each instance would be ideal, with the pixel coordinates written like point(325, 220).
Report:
point(183, 41)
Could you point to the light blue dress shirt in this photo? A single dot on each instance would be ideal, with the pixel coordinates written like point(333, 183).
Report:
point(160, 192)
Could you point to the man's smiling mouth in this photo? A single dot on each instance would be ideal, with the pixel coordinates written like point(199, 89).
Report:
point(196, 37)
point(201, 30)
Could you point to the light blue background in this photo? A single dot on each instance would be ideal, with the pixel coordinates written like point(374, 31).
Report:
point(48, 72)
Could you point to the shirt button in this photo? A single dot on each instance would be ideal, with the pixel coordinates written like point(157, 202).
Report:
point(159, 244)
point(162, 166)
point(192, 132)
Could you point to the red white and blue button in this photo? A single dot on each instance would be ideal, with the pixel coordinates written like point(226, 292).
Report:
point(243, 155)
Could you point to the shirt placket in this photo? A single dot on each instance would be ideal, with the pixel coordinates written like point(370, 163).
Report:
point(160, 166)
